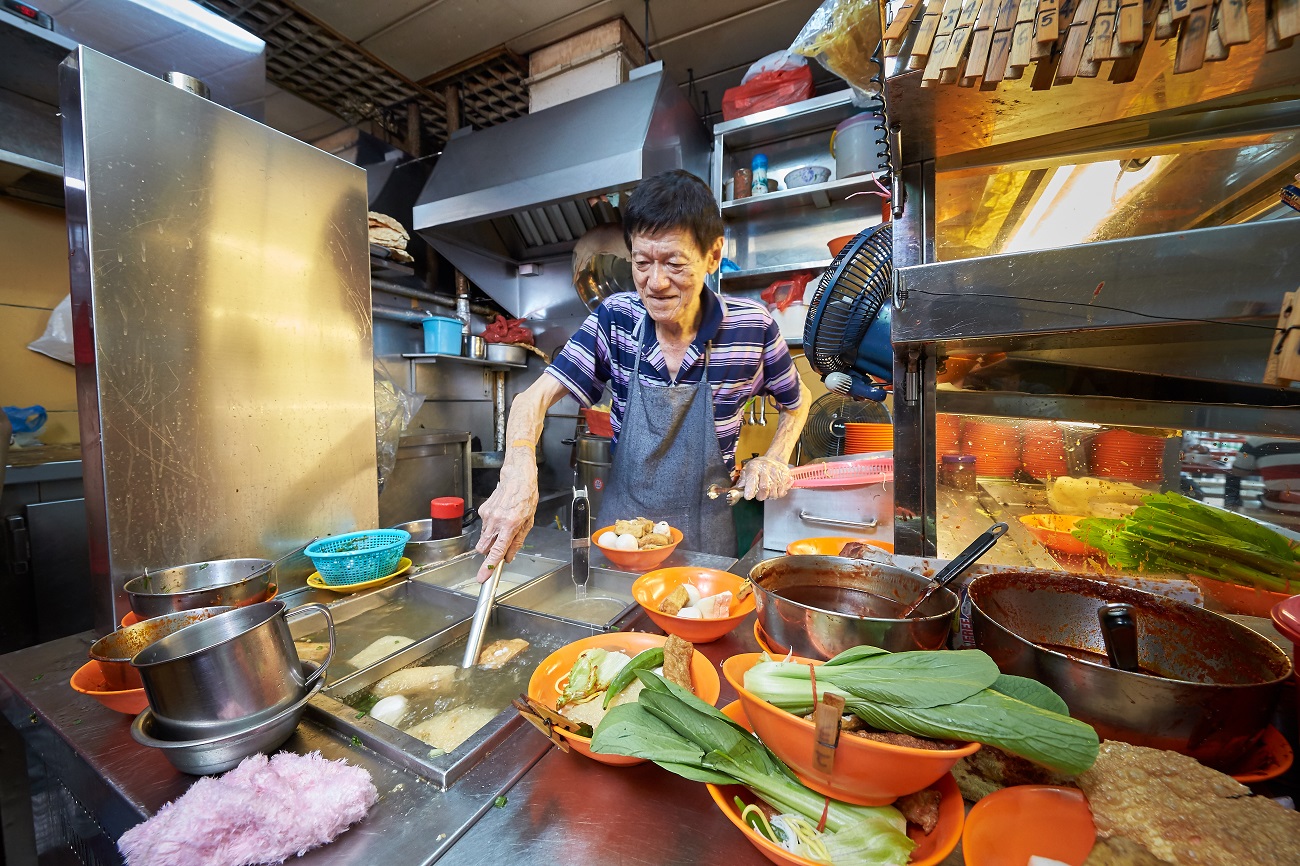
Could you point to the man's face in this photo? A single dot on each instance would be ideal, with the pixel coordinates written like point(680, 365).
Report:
point(669, 270)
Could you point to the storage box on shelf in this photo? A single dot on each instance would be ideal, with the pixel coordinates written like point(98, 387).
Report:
point(783, 232)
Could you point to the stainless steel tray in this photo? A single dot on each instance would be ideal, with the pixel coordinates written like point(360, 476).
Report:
point(609, 597)
point(546, 633)
point(459, 574)
point(410, 609)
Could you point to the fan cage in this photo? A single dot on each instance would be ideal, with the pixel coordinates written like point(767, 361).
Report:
point(848, 297)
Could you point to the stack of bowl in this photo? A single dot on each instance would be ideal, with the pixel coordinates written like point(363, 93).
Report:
point(867, 438)
point(109, 677)
point(226, 687)
point(947, 435)
point(995, 446)
point(1127, 456)
point(1044, 450)
point(234, 582)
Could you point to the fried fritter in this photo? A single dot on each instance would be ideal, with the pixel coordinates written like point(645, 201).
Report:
point(991, 769)
point(1184, 812)
point(677, 661)
point(495, 655)
point(676, 600)
point(651, 540)
point(1121, 852)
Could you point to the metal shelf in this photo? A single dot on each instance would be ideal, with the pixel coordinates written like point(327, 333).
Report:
point(787, 121)
point(427, 358)
point(751, 279)
point(818, 195)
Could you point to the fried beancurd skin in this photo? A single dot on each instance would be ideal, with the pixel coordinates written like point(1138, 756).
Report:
point(653, 540)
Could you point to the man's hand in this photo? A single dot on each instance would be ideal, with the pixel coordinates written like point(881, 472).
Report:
point(765, 478)
point(508, 515)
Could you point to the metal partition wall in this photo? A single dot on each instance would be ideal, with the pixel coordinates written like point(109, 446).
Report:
point(221, 301)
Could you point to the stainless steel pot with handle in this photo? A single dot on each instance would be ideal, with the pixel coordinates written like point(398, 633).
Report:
point(224, 673)
point(819, 606)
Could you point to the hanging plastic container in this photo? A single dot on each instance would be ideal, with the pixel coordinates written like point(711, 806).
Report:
point(858, 145)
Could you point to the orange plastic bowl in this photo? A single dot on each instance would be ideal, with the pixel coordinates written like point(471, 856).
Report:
point(930, 850)
point(637, 560)
point(831, 545)
point(867, 772)
point(651, 588)
point(1241, 600)
point(839, 243)
point(1008, 827)
point(548, 680)
point(89, 680)
point(1053, 531)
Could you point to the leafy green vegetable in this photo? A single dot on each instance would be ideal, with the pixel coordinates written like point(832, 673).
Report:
point(1170, 533)
point(591, 673)
point(500, 802)
point(972, 701)
point(684, 735)
point(644, 660)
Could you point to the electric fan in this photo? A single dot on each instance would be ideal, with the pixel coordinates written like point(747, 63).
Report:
point(823, 432)
point(846, 335)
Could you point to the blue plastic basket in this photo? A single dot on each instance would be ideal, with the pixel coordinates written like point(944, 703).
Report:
point(358, 556)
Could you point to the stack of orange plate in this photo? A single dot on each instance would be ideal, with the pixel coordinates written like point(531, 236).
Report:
point(1044, 450)
point(865, 438)
point(1127, 456)
point(947, 435)
point(995, 446)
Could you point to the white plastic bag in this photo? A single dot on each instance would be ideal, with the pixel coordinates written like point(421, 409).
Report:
point(57, 339)
point(777, 61)
point(394, 409)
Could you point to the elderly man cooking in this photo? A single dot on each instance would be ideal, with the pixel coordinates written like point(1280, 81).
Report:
point(681, 362)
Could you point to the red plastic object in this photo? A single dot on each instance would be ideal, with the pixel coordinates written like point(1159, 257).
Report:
point(598, 423)
point(783, 293)
point(767, 90)
point(447, 507)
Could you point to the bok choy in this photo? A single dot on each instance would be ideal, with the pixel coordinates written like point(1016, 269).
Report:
point(686, 736)
point(944, 695)
point(1171, 533)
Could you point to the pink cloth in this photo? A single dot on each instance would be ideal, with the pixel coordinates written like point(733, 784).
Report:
point(263, 811)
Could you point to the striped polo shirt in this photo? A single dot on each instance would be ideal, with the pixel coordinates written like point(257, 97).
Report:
point(747, 358)
point(1278, 463)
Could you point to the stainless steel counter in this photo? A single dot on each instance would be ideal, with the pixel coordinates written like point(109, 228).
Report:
point(562, 808)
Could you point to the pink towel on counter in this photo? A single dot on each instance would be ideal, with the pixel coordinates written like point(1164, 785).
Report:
point(263, 811)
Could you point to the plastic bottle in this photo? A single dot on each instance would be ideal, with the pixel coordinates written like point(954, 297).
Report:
point(446, 513)
point(759, 168)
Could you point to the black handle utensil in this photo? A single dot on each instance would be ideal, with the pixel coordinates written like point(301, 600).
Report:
point(1119, 632)
point(959, 565)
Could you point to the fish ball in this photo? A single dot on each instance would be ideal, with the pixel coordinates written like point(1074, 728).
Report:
point(389, 710)
point(662, 528)
point(608, 539)
point(627, 541)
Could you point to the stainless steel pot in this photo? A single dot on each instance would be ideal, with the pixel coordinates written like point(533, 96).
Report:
point(422, 551)
point(1217, 685)
point(224, 673)
point(114, 651)
point(234, 582)
point(504, 353)
point(819, 606)
point(219, 753)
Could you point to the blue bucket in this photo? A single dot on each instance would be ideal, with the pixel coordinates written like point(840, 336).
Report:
point(441, 335)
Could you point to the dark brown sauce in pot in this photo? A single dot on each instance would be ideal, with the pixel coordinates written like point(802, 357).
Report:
point(838, 599)
point(1090, 656)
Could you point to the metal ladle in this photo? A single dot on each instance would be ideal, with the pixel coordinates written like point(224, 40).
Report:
point(959, 565)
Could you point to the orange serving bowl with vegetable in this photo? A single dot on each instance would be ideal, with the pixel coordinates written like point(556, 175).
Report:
point(547, 681)
point(831, 545)
point(866, 772)
point(930, 849)
point(637, 560)
point(1009, 826)
point(652, 588)
point(1237, 599)
point(1053, 531)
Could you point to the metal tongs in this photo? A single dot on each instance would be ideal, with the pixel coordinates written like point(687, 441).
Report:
point(959, 565)
point(733, 494)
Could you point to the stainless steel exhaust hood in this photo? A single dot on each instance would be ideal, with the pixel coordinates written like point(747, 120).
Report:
point(526, 190)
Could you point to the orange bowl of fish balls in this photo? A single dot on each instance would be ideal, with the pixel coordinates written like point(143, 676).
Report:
point(639, 544)
point(696, 604)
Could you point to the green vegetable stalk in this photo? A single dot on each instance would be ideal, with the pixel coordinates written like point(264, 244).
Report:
point(684, 735)
point(946, 695)
point(643, 661)
point(1169, 533)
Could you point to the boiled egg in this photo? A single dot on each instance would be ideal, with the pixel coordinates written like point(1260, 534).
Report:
point(389, 710)
point(608, 538)
point(626, 541)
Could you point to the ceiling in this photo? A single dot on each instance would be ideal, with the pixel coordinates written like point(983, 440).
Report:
point(405, 51)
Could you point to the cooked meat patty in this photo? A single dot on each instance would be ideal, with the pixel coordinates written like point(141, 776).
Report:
point(921, 808)
point(1184, 812)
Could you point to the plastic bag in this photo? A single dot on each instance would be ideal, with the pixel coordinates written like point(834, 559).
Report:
point(843, 35)
point(767, 90)
point(57, 339)
point(777, 61)
point(783, 293)
point(394, 409)
point(27, 424)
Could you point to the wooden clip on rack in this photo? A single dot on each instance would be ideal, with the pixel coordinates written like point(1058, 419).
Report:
point(1283, 367)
